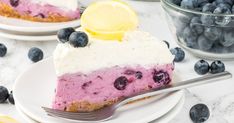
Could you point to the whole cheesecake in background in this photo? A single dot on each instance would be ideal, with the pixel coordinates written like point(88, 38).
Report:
point(40, 10)
point(102, 71)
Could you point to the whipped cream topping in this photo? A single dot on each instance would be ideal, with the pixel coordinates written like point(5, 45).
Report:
point(137, 48)
point(64, 4)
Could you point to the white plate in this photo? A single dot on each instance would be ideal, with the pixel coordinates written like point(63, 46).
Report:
point(18, 25)
point(164, 119)
point(24, 115)
point(35, 88)
point(28, 37)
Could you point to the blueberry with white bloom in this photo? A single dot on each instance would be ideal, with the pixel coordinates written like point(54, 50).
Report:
point(188, 33)
point(187, 4)
point(176, 2)
point(228, 39)
point(222, 20)
point(208, 20)
point(223, 5)
point(219, 48)
point(199, 113)
point(204, 43)
point(230, 2)
point(191, 42)
point(201, 67)
point(213, 33)
point(196, 25)
point(208, 7)
point(200, 3)
point(217, 67)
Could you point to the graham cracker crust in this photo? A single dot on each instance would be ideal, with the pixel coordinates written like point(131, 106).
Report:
point(89, 107)
point(8, 11)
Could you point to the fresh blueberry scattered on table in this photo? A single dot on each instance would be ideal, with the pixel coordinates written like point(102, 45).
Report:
point(4, 94)
point(3, 50)
point(199, 113)
point(206, 31)
point(35, 54)
point(217, 67)
point(202, 67)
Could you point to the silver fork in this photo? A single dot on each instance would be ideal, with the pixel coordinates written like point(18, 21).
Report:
point(107, 112)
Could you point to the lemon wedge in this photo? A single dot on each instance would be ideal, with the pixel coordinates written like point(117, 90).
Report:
point(109, 20)
point(7, 119)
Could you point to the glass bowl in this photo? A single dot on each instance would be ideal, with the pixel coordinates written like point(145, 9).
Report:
point(206, 35)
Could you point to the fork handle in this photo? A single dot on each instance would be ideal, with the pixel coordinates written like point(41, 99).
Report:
point(178, 86)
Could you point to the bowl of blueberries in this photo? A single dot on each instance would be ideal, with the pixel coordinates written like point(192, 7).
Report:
point(203, 27)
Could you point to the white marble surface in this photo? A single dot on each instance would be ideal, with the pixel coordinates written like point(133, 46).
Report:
point(219, 96)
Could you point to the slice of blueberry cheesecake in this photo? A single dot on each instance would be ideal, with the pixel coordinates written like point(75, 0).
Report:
point(94, 73)
point(41, 10)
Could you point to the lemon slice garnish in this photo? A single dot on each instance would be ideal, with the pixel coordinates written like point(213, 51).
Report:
point(109, 20)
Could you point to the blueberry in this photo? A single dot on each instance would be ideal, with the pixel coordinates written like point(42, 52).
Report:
point(201, 67)
point(35, 54)
point(208, 7)
point(176, 2)
point(11, 98)
point(179, 54)
point(167, 43)
point(181, 22)
point(204, 43)
point(188, 33)
point(196, 25)
point(190, 37)
point(14, 3)
point(218, 48)
point(228, 39)
point(199, 113)
point(191, 42)
point(121, 83)
point(222, 20)
point(231, 49)
point(138, 75)
point(200, 3)
point(224, 5)
point(213, 33)
point(208, 20)
point(230, 2)
point(217, 67)
point(64, 34)
point(187, 4)
point(78, 39)
point(233, 9)
point(4, 94)
point(3, 50)
point(161, 77)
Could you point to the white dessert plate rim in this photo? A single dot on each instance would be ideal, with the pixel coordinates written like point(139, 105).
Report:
point(19, 25)
point(28, 37)
point(34, 88)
